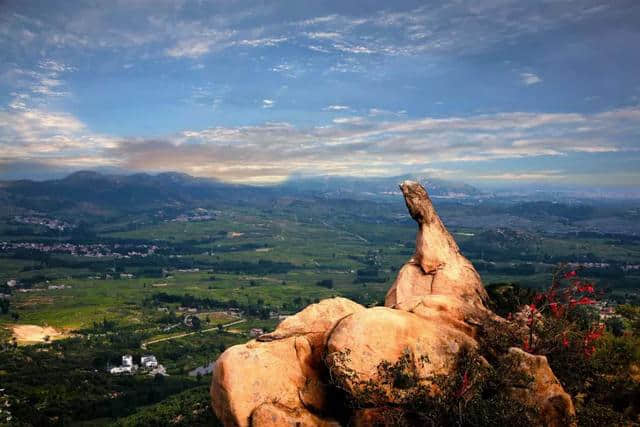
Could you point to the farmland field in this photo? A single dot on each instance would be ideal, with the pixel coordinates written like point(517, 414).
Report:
point(147, 285)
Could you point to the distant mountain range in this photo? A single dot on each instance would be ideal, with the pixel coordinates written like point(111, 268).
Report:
point(358, 187)
point(97, 193)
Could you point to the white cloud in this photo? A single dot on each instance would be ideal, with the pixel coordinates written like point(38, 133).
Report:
point(348, 120)
point(375, 112)
point(270, 41)
point(189, 49)
point(347, 146)
point(336, 108)
point(36, 134)
point(543, 175)
point(530, 79)
point(268, 103)
point(323, 35)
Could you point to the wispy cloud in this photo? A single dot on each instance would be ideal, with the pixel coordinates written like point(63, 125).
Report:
point(531, 176)
point(336, 108)
point(355, 145)
point(348, 145)
point(530, 79)
point(268, 103)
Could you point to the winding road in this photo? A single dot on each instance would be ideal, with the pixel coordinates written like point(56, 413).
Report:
point(145, 344)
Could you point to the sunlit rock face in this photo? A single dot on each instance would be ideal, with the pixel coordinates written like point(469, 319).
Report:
point(302, 373)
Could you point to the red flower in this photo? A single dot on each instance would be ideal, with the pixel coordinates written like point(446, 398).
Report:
point(464, 386)
point(556, 310)
point(565, 341)
point(525, 346)
point(585, 301)
point(570, 274)
point(551, 295)
point(587, 287)
point(533, 308)
point(588, 351)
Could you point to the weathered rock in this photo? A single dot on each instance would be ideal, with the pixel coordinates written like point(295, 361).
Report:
point(537, 387)
point(437, 267)
point(434, 310)
point(361, 342)
point(314, 321)
point(276, 415)
point(285, 368)
point(379, 417)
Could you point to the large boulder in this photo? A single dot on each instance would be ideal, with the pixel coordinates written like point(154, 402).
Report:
point(535, 386)
point(284, 368)
point(274, 414)
point(363, 342)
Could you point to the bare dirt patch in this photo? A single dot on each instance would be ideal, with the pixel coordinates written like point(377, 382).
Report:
point(33, 334)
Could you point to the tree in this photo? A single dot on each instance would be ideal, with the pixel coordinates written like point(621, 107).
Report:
point(326, 283)
point(616, 326)
point(196, 323)
point(4, 306)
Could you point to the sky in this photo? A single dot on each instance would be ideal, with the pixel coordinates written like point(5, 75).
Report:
point(495, 92)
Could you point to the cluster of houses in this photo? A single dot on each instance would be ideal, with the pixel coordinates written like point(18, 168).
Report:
point(196, 215)
point(149, 364)
point(97, 250)
point(52, 224)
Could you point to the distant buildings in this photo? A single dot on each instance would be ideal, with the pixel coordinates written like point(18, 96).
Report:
point(96, 250)
point(148, 363)
point(127, 366)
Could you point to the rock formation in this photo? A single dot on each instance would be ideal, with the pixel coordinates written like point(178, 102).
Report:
point(336, 350)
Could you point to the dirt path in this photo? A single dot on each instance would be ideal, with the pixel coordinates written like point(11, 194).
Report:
point(186, 334)
point(348, 233)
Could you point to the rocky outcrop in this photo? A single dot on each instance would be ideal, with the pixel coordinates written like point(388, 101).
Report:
point(542, 390)
point(361, 342)
point(336, 351)
point(283, 369)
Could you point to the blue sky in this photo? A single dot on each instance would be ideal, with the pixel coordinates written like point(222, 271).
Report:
point(496, 92)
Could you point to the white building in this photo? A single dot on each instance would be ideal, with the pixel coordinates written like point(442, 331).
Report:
point(127, 360)
point(127, 366)
point(149, 361)
point(121, 370)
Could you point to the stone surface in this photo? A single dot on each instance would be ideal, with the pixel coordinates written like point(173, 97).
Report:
point(274, 415)
point(284, 368)
point(314, 321)
point(361, 342)
point(543, 391)
point(437, 266)
point(432, 312)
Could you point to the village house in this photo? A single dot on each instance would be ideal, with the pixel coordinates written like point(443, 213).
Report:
point(149, 362)
point(127, 366)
